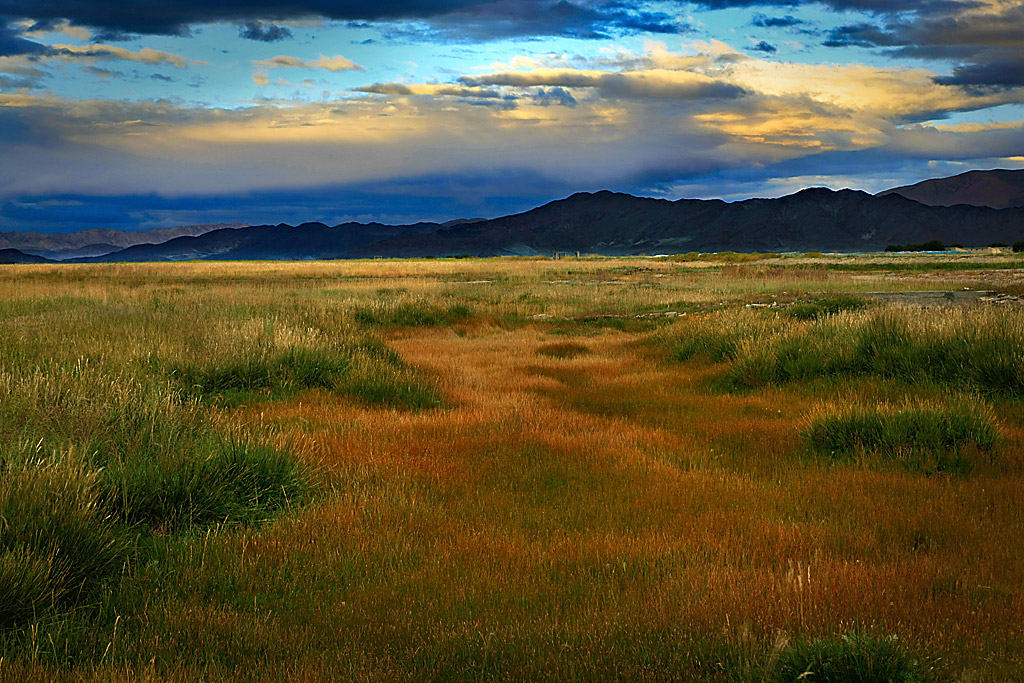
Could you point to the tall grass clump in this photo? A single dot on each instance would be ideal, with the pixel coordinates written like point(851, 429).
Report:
point(262, 374)
point(57, 544)
point(718, 337)
point(854, 657)
point(410, 314)
point(217, 480)
point(977, 350)
point(379, 377)
point(914, 436)
point(821, 307)
point(368, 371)
point(123, 459)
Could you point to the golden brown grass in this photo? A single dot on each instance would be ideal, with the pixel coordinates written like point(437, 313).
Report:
point(601, 515)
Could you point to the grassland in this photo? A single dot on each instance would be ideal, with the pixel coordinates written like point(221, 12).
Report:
point(729, 468)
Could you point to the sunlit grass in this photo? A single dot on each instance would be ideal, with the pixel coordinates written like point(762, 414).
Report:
point(299, 481)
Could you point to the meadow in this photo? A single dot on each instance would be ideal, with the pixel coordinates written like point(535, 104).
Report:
point(703, 467)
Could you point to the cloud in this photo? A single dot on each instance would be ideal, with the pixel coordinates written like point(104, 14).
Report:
point(1003, 71)
point(432, 89)
point(476, 19)
point(765, 47)
point(335, 63)
point(983, 36)
point(13, 44)
point(623, 120)
point(764, 21)
point(112, 52)
point(263, 32)
point(649, 84)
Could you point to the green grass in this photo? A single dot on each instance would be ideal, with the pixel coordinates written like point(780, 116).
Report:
point(262, 375)
point(916, 437)
point(57, 547)
point(368, 372)
point(91, 462)
point(410, 314)
point(563, 350)
point(221, 480)
point(977, 351)
point(821, 307)
point(854, 657)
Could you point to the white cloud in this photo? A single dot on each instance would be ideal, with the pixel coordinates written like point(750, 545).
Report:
point(335, 63)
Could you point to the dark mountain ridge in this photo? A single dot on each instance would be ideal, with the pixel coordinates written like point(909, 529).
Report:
point(267, 242)
point(815, 219)
point(996, 189)
point(98, 241)
point(10, 256)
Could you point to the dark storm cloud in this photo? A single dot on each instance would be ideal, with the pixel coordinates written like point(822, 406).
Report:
point(624, 86)
point(873, 6)
point(765, 21)
point(860, 35)
point(263, 32)
point(1003, 72)
point(434, 197)
point(987, 44)
point(523, 18)
point(12, 44)
point(765, 47)
point(554, 97)
point(480, 19)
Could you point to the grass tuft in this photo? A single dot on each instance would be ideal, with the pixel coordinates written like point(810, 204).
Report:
point(410, 314)
point(851, 658)
point(563, 350)
point(819, 308)
point(263, 375)
point(917, 436)
point(56, 545)
point(236, 481)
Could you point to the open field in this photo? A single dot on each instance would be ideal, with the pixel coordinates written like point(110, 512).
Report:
point(718, 468)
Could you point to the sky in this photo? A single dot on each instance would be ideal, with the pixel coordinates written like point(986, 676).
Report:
point(154, 113)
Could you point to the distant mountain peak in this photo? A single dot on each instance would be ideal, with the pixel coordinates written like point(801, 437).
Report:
point(997, 189)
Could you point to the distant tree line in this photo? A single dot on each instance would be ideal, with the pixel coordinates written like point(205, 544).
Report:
point(933, 245)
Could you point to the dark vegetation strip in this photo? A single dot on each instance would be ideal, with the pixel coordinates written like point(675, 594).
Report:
point(369, 372)
point(987, 358)
point(914, 438)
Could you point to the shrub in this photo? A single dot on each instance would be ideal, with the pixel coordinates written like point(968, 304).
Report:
point(850, 658)
point(1018, 247)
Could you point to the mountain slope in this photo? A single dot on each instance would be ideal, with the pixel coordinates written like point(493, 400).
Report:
point(813, 219)
point(263, 242)
point(816, 219)
point(8, 256)
point(997, 189)
point(97, 241)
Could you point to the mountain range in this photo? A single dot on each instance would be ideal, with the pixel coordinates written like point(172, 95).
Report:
point(98, 241)
point(815, 219)
point(997, 189)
